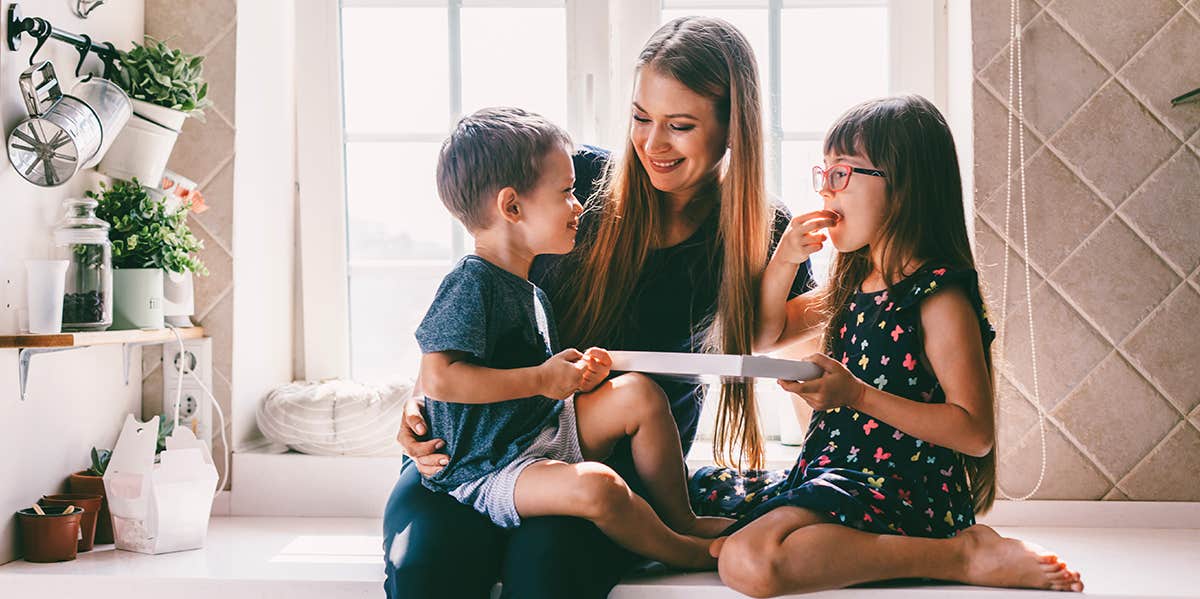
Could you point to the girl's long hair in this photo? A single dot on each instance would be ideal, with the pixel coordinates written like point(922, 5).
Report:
point(908, 139)
point(713, 59)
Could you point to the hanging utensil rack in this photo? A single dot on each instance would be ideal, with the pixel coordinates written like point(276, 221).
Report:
point(42, 30)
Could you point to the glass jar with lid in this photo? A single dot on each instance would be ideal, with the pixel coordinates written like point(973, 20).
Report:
point(82, 240)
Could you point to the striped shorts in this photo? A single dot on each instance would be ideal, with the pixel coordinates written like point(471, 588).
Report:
point(492, 494)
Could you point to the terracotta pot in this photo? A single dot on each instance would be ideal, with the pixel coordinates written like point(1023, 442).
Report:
point(50, 538)
point(81, 482)
point(91, 509)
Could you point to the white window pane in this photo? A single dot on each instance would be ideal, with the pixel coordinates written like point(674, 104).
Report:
point(396, 70)
point(515, 57)
point(386, 305)
point(798, 159)
point(392, 205)
point(752, 22)
point(822, 74)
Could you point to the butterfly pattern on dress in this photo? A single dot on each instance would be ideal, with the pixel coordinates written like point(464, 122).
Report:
point(855, 468)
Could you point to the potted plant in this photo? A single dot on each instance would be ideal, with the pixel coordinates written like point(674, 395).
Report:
point(149, 235)
point(91, 481)
point(166, 86)
point(49, 534)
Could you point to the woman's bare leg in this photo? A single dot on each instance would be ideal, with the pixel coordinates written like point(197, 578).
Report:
point(794, 550)
point(595, 492)
point(634, 406)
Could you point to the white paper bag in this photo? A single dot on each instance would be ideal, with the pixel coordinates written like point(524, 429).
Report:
point(164, 507)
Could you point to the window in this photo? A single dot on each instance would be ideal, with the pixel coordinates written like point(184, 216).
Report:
point(409, 69)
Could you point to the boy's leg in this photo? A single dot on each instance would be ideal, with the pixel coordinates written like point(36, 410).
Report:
point(795, 550)
point(595, 492)
point(634, 406)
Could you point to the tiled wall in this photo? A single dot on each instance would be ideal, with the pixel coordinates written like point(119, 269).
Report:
point(204, 154)
point(1113, 186)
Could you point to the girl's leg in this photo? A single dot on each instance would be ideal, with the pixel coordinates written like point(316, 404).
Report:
point(794, 550)
point(595, 492)
point(634, 406)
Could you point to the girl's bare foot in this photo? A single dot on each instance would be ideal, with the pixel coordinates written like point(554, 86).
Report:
point(996, 561)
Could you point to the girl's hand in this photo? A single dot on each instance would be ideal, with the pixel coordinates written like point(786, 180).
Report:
point(801, 238)
point(836, 388)
point(562, 374)
point(597, 364)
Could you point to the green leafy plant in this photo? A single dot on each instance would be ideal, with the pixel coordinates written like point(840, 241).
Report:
point(101, 457)
point(155, 73)
point(146, 233)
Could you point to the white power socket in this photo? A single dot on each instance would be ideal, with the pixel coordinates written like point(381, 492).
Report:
point(195, 408)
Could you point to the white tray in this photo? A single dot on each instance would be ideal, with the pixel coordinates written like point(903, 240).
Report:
point(722, 365)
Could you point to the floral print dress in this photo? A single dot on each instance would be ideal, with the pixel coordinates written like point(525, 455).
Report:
point(859, 470)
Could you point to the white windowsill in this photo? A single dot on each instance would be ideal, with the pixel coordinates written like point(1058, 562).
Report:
point(332, 558)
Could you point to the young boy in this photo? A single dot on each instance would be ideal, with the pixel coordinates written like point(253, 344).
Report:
point(519, 416)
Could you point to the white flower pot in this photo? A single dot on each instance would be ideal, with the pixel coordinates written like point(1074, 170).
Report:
point(143, 147)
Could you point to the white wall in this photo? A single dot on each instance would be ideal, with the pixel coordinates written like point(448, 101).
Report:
point(76, 399)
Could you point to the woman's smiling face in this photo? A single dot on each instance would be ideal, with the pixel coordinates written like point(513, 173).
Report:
point(676, 133)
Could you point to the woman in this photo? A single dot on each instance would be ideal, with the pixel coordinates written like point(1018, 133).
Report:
point(668, 258)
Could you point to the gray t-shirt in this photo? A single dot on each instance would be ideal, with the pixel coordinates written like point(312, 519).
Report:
point(501, 321)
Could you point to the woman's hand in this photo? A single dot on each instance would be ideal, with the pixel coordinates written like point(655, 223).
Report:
point(423, 453)
point(562, 374)
point(836, 388)
point(597, 364)
point(801, 238)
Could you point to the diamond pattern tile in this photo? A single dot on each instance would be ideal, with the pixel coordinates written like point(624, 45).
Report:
point(1167, 209)
point(1157, 73)
point(1067, 347)
point(1097, 415)
point(991, 141)
point(1115, 279)
point(1069, 474)
point(209, 289)
point(1114, 40)
point(1114, 119)
point(192, 26)
point(203, 147)
point(1166, 346)
point(1122, 143)
point(1059, 75)
point(218, 196)
point(991, 21)
point(1062, 210)
point(1169, 472)
point(989, 260)
point(220, 69)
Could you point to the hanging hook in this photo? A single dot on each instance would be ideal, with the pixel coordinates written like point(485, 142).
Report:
point(83, 8)
point(109, 58)
point(83, 48)
point(41, 33)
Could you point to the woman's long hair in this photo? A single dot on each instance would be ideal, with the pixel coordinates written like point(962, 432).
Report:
point(908, 139)
point(713, 59)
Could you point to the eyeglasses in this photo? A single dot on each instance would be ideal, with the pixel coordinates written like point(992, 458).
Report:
point(838, 176)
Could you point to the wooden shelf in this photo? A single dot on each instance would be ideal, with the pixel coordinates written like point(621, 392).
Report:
point(87, 339)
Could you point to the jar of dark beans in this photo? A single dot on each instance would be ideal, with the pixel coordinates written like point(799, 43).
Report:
point(82, 239)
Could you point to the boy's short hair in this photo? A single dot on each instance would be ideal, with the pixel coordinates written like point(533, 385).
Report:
point(489, 150)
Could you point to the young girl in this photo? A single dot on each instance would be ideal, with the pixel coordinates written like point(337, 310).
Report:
point(900, 453)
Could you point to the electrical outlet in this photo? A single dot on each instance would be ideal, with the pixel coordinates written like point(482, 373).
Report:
point(195, 406)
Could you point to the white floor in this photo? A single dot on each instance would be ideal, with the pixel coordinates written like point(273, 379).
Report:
point(334, 558)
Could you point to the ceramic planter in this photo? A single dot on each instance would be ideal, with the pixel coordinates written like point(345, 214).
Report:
point(91, 509)
point(144, 145)
point(82, 482)
point(137, 298)
point(49, 537)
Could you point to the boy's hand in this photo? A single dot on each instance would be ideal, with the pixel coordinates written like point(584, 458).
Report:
point(836, 388)
point(562, 374)
point(801, 239)
point(596, 366)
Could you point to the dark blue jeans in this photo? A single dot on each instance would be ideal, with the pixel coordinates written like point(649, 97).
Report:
point(435, 546)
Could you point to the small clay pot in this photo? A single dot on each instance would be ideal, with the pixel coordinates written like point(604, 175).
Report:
point(91, 509)
point(82, 482)
point(53, 537)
